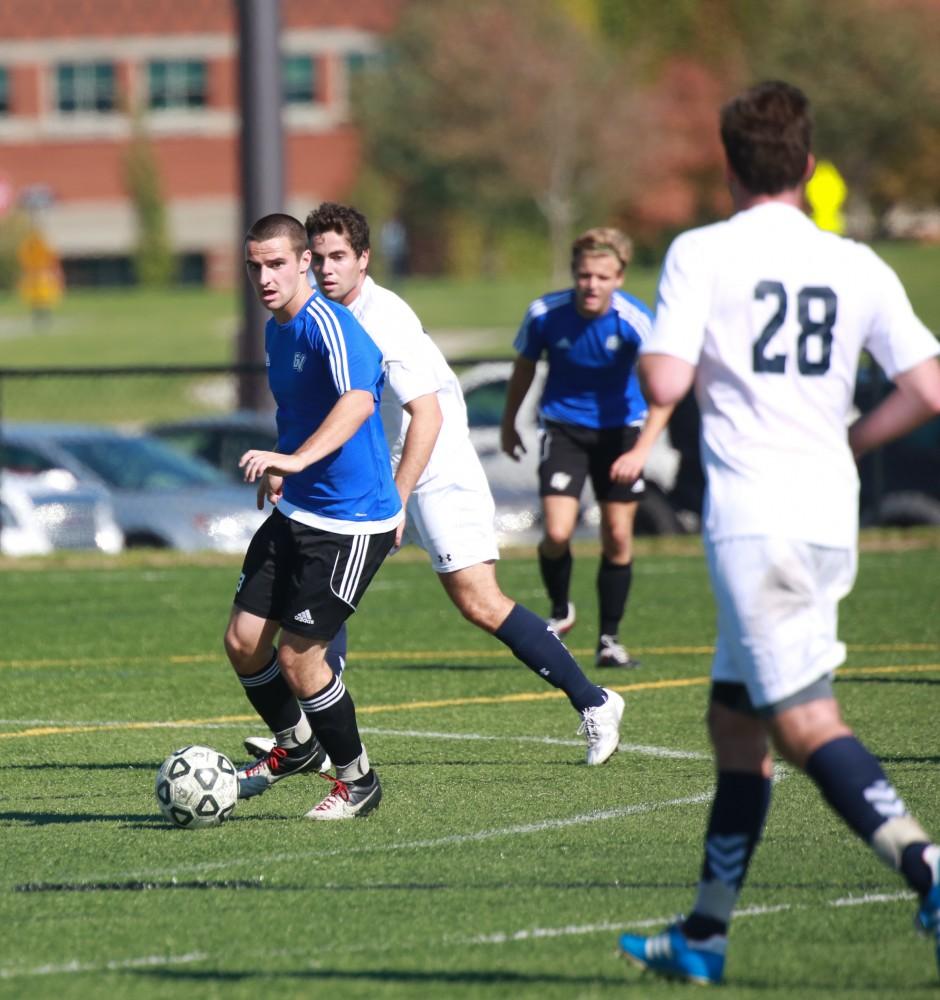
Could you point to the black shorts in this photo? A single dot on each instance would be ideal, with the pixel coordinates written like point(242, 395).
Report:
point(307, 579)
point(569, 453)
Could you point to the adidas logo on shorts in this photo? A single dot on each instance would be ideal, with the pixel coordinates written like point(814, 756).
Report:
point(304, 617)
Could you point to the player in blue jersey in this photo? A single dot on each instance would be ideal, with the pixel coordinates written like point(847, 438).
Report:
point(335, 518)
point(595, 423)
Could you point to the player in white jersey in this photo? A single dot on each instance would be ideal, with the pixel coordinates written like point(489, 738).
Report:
point(449, 506)
point(767, 316)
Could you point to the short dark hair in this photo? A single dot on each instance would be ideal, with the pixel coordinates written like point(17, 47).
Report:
point(272, 227)
point(767, 133)
point(331, 217)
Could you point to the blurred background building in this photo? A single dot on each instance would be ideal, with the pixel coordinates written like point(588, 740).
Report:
point(92, 91)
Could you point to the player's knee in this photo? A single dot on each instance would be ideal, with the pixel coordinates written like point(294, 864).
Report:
point(239, 649)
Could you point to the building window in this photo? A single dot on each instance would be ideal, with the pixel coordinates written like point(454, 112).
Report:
point(83, 87)
point(4, 91)
point(299, 79)
point(177, 83)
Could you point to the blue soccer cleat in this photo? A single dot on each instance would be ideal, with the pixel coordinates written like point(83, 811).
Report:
point(672, 954)
point(928, 917)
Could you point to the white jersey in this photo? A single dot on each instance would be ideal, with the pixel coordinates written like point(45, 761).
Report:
point(414, 366)
point(775, 312)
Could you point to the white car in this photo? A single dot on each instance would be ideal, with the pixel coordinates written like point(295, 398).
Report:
point(44, 512)
point(515, 484)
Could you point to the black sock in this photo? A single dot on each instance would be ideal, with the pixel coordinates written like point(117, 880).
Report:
point(271, 698)
point(546, 655)
point(915, 869)
point(332, 717)
point(556, 575)
point(613, 589)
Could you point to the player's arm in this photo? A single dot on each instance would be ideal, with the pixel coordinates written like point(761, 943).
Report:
point(348, 414)
point(420, 438)
point(628, 467)
point(664, 379)
point(523, 372)
point(915, 400)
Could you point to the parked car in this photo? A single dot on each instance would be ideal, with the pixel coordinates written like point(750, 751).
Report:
point(50, 511)
point(515, 484)
point(161, 497)
point(220, 440)
point(900, 483)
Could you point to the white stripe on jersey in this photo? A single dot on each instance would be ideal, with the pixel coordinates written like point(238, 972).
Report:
point(548, 302)
point(332, 334)
point(635, 316)
point(539, 308)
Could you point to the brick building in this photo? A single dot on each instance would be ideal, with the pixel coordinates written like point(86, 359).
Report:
point(72, 70)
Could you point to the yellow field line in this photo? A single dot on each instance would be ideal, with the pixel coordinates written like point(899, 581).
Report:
point(373, 656)
point(506, 699)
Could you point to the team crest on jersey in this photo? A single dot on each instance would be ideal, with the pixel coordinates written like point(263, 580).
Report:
point(612, 343)
point(299, 360)
point(564, 344)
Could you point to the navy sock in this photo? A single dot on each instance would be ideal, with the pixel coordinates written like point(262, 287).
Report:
point(738, 814)
point(332, 717)
point(613, 589)
point(336, 651)
point(545, 654)
point(852, 781)
point(915, 869)
point(556, 575)
point(271, 698)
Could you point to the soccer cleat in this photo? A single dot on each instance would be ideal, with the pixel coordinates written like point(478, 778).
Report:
point(611, 654)
point(277, 763)
point(348, 801)
point(673, 955)
point(562, 625)
point(927, 920)
point(601, 727)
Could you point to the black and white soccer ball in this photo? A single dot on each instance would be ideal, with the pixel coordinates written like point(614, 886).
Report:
point(197, 787)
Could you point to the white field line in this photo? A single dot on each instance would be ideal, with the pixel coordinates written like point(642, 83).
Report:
point(431, 843)
point(638, 748)
point(115, 965)
point(537, 933)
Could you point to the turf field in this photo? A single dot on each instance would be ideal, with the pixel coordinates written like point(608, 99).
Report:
point(498, 864)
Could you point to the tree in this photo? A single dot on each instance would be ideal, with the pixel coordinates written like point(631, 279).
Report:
point(153, 257)
point(510, 105)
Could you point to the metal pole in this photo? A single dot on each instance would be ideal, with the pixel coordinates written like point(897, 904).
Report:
point(262, 165)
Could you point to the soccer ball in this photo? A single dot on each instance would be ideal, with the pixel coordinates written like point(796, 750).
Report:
point(197, 787)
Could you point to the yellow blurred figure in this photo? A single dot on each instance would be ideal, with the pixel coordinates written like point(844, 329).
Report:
point(826, 192)
point(41, 283)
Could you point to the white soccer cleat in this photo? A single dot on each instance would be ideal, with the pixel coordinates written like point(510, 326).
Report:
point(610, 653)
point(347, 801)
point(601, 727)
point(561, 626)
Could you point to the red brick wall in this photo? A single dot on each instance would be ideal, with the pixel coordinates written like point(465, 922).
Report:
point(21, 19)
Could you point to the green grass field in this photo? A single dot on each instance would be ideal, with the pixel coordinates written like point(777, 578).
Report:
point(498, 864)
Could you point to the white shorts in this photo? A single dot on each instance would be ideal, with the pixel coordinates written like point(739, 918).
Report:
point(454, 525)
point(778, 603)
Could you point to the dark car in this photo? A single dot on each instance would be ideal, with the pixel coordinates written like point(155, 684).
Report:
point(220, 440)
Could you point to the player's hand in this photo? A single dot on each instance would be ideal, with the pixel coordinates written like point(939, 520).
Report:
point(399, 534)
point(256, 463)
point(511, 443)
point(628, 467)
point(270, 488)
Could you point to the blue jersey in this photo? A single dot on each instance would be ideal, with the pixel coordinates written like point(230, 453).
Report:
point(592, 378)
point(320, 354)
